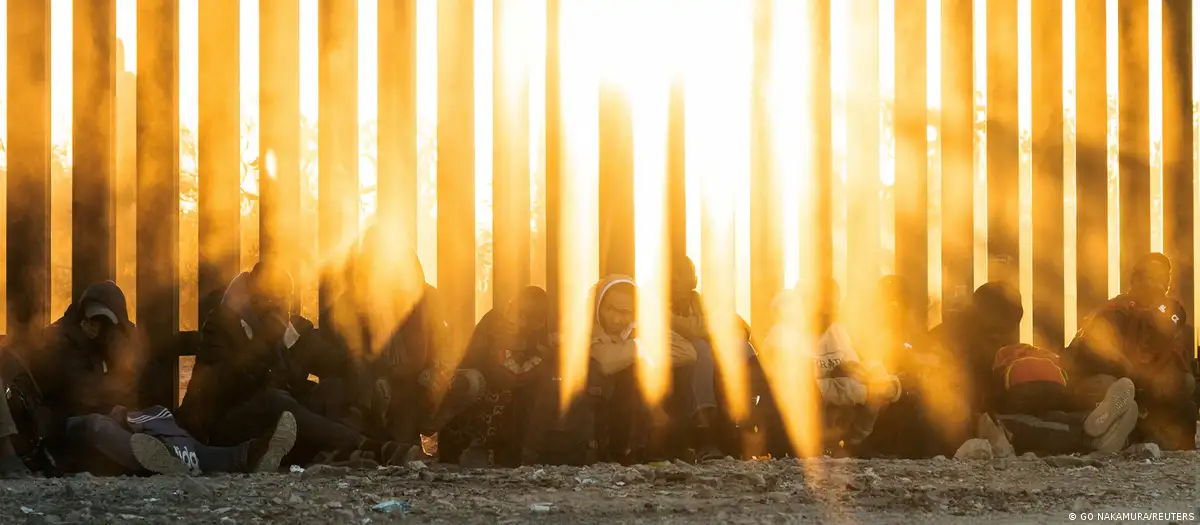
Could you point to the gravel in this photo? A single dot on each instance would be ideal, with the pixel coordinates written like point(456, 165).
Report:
point(825, 490)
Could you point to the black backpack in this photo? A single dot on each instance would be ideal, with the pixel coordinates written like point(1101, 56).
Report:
point(34, 420)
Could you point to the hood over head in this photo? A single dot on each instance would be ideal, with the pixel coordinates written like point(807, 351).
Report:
point(104, 299)
point(602, 288)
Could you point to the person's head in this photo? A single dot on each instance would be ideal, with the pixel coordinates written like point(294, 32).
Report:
point(683, 279)
point(1151, 278)
point(616, 307)
point(998, 311)
point(271, 287)
point(99, 322)
point(532, 308)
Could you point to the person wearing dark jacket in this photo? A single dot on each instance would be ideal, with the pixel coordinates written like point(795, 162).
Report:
point(388, 320)
point(83, 376)
point(245, 366)
point(512, 347)
point(958, 388)
point(1140, 335)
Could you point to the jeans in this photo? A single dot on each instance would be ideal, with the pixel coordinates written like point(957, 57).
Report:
point(314, 432)
point(98, 443)
point(704, 385)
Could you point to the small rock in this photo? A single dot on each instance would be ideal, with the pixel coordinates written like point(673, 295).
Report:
point(195, 487)
point(1029, 455)
point(324, 471)
point(1000, 464)
point(295, 499)
point(541, 508)
point(779, 497)
point(417, 465)
point(428, 475)
point(974, 449)
point(222, 510)
point(756, 479)
point(391, 506)
point(1079, 505)
point(333, 505)
point(706, 492)
point(939, 457)
point(1144, 451)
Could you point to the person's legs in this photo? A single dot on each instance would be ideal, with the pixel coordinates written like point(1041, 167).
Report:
point(101, 434)
point(467, 387)
point(1047, 434)
point(246, 421)
point(260, 454)
point(704, 394)
point(10, 464)
point(327, 398)
point(1105, 397)
point(1170, 420)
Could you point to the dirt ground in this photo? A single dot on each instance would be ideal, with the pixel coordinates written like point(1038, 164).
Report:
point(1018, 490)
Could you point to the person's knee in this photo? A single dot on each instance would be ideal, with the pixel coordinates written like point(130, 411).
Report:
point(279, 400)
point(89, 426)
point(469, 385)
point(704, 350)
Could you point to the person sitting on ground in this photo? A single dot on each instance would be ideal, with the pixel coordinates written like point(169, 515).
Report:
point(901, 427)
point(958, 390)
point(513, 348)
point(238, 378)
point(623, 430)
point(1139, 335)
point(1033, 405)
point(688, 319)
point(391, 322)
point(849, 392)
point(73, 388)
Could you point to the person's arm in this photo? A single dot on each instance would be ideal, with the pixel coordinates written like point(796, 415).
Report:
point(612, 356)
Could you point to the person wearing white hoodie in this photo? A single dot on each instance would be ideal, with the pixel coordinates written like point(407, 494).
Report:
point(621, 417)
point(851, 392)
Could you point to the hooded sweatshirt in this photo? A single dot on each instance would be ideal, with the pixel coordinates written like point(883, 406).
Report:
point(613, 353)
point(239, 355)
point(80, 376)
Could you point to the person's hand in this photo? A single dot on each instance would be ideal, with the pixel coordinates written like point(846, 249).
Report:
point(630, 332)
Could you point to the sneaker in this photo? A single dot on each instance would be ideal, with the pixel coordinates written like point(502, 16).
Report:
point(1113, 440)
point(155, 456)
point(992, 431)
point(266, 453)
point(1117, 400)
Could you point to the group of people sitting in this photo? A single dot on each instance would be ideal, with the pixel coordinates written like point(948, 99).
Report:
point(270, 389)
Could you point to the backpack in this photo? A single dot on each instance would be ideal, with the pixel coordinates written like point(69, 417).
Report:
point(1023, 363)
point(34, 420)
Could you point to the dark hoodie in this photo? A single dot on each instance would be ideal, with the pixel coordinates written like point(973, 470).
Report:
point(1126, 339)
point(238, 356)
point(71, 369)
